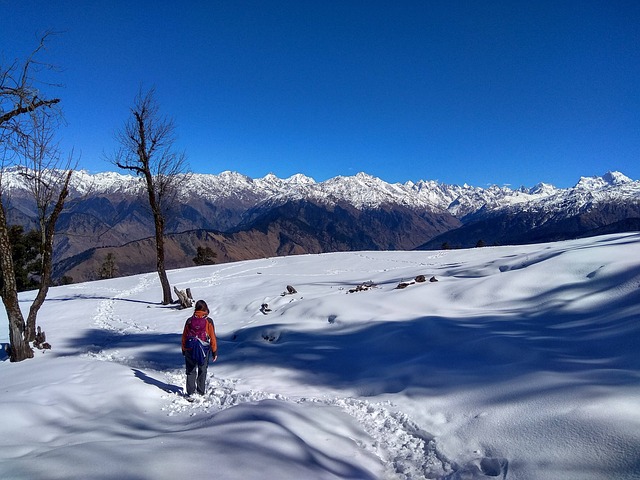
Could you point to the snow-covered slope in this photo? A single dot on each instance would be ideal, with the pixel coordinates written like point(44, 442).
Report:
point(519, 363)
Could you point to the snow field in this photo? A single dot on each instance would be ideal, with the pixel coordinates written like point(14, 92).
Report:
point(519, 363)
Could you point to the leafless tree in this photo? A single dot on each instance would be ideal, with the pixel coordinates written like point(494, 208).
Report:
point(48, 179)
point(147, 143)
point(27, 126)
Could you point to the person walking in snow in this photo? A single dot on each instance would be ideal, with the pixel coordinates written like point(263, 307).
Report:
point(198, 341)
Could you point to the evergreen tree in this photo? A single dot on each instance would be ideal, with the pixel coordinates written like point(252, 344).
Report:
point(25, 251)
point(109, 269)
point(205, 256)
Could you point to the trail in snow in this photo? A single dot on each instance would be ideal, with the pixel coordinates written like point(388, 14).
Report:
point(106, 319)
point(406, 451)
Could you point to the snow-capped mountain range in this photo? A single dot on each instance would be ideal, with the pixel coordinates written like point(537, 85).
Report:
point(366, 191)
point(239, 217)
point(361, 190)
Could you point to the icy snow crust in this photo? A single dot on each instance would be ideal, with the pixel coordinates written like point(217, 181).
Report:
point(518, 363)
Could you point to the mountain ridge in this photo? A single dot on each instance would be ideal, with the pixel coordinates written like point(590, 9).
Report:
point(273, 216)
point(361, 190)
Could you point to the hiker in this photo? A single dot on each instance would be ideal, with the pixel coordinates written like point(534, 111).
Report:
point(198, 340)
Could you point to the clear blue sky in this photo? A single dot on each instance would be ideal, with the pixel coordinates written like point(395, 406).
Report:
point(482, 92)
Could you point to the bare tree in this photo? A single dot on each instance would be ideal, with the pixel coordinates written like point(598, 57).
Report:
point(27, 125)
point(147, 148)
point(48, 178)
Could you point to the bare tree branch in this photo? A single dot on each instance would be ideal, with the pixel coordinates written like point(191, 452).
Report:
point(33, 106)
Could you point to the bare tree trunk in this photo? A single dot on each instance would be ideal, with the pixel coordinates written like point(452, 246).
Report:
point(162, 272)
point(158, 217)
point(47, 259)
point(20, 348)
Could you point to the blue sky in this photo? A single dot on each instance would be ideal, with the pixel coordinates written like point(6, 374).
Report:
point(478, 92)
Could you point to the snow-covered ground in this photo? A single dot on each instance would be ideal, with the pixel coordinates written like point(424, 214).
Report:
point(519, 363)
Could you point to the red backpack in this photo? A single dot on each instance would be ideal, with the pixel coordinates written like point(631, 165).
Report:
point(197, 344)
point(197, 327)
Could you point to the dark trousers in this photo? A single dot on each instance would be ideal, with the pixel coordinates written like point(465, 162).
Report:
point(196, 376)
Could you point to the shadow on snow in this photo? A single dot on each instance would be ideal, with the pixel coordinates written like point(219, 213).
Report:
point(428, 353)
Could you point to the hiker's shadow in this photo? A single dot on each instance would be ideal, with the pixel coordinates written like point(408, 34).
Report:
point(156, 383)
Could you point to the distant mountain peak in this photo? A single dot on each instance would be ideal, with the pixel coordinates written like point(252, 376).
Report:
point(616, 178)
point(542, 189)
point(609, 179)
point(365, 176)
point(300, 179)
